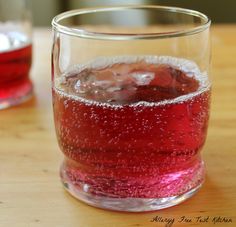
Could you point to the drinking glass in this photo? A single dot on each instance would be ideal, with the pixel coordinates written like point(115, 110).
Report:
point(131, 104)
point(15, 52)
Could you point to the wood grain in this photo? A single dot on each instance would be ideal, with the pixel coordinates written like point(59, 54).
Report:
point(30, 191)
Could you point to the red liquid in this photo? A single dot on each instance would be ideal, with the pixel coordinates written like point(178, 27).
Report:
point(15, 63)
point(132, 138)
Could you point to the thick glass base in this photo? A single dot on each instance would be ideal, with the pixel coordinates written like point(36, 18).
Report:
point(16, 94)
point(83, 192)
point(129, 204)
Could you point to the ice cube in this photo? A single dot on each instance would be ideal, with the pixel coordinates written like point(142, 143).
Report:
point(95, 84)
point(143, 78)
point(102, 84)
point(11, 40)
point(4, 42)
point(84, 84)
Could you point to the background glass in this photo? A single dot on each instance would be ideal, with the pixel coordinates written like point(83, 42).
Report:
point(131, 104)
point(15, 52)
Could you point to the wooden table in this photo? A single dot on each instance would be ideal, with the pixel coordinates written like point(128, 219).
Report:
point(31, 194)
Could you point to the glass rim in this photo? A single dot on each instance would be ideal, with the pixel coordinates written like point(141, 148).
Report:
point(83, 33)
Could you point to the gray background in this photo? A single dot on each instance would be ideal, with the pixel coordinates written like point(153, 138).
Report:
point(219, 11)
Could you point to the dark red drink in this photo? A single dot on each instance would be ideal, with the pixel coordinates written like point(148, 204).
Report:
point(15, 63)
point(132, 127)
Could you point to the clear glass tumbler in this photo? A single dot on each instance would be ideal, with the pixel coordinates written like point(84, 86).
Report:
point(131, 103)
point(15, 52)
